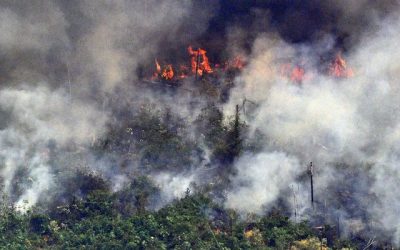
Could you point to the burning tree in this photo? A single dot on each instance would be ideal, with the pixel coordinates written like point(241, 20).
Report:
point(199, 66)
point(199, 61)
point(338, 68)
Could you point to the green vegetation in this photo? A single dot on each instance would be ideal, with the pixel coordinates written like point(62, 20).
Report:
point(86, 214)
point(194, 222)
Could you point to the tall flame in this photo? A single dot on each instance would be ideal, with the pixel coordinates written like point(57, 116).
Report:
point(166, 73)
point(158, 67)
point(199, 61)
point(339, 68)
point(199, 65)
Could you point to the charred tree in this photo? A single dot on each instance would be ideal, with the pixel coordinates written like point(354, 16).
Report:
point(311, 172)
point(197, 63)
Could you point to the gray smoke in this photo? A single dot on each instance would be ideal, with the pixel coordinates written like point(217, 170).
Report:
point(65, 68)
point(68, 67)
point(329, 121)
point(37, 116)
point(260, 180)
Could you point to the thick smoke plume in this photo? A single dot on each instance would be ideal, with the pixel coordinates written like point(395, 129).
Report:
point(37, 120)
point(260, 180)
point(328, 121)
point(64, 63)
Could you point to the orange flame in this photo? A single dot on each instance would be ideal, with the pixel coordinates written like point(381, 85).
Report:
point(338, 68)
point(198, 62)
point(158, 67)
point(203, 65)
point(168, 72)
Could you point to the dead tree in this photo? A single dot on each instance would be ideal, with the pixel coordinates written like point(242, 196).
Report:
point(244, 104)
point(294, 203)
point(311, 172)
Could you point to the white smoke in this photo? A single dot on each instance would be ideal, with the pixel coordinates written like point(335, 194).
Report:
point(172, 186)
point(126, 33)
point(39, 116)
point(75, 55)
point(260, 179)
point(97, 47)
point(325, 120)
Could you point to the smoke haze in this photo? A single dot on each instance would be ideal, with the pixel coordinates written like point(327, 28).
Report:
point(352, 121)
point(71, 70)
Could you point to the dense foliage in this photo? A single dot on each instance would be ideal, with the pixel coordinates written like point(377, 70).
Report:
point(194, 222)
point(89, 213)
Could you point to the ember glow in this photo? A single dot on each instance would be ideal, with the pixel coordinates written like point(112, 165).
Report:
point(168, 72)
point(296, 74)
point(200, 63)
point(338, 68)
point(237, 63)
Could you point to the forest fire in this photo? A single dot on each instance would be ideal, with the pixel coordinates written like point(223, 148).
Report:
point(338, 68)
point(199, 66)
point(202, 124)
point(168, 72)
point(199, 61)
